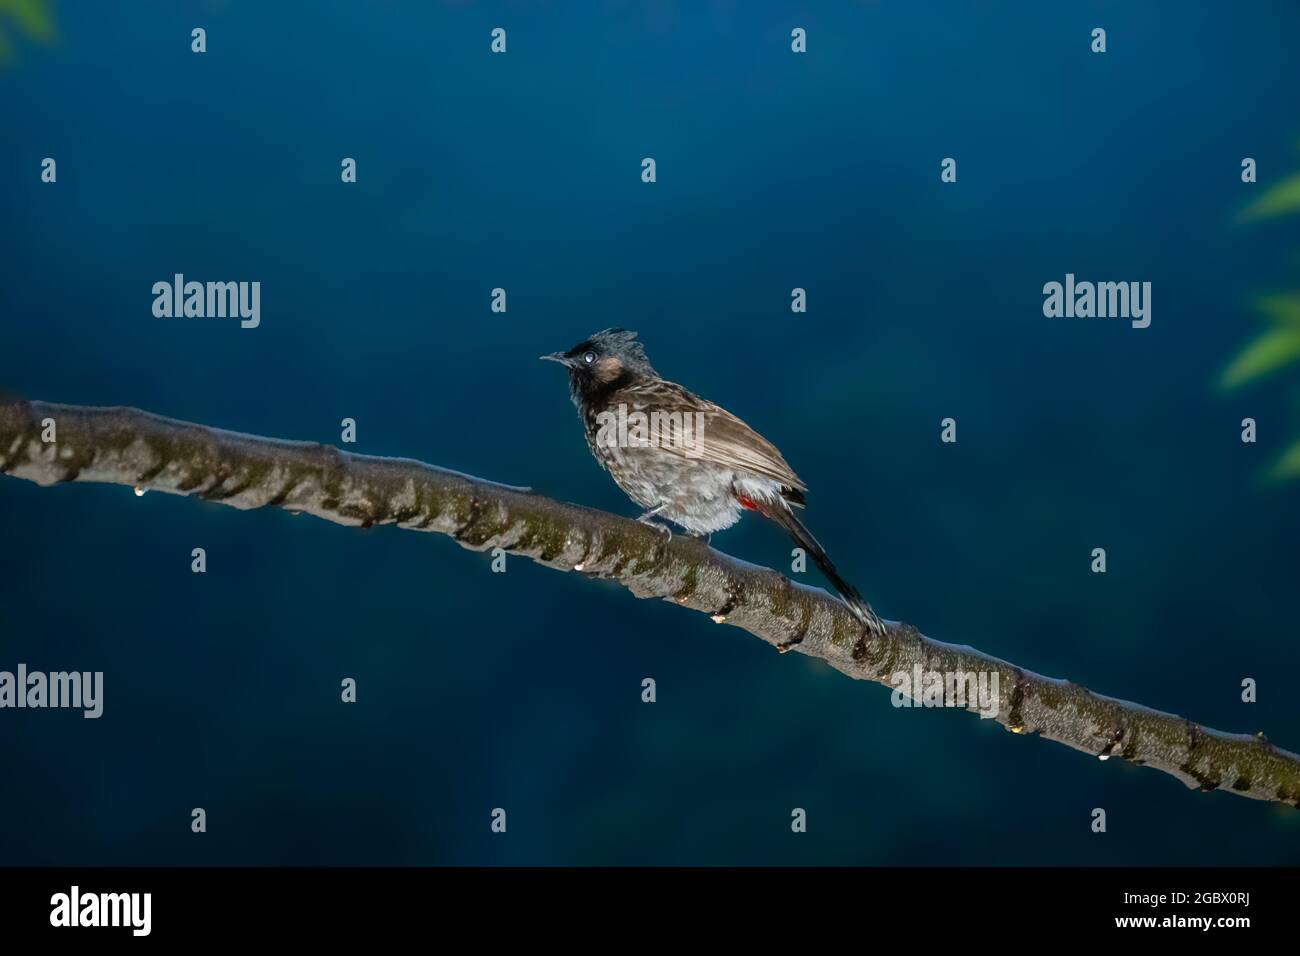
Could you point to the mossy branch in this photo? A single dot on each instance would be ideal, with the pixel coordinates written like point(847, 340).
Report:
point(129, 447)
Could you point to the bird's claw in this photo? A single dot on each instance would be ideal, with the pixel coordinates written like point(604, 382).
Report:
point(658, 526)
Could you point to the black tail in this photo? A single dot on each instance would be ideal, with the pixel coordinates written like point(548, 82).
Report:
point(783, 516)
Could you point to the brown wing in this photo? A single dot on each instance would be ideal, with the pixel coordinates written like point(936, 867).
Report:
point(725, 439)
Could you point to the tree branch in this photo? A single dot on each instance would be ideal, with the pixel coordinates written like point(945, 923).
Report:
point(126, 446)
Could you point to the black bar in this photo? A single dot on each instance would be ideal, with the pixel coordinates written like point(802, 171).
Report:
point(332, 904)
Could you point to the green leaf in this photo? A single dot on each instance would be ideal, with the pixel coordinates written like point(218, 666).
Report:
point(1288, 466)
point(1283, 308)
point(1272, 350)
point(1280, 200)
point(32, 16)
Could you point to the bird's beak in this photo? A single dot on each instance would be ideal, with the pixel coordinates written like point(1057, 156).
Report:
point(555, 357)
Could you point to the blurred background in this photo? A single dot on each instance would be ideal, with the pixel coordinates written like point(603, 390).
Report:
point(522, 690)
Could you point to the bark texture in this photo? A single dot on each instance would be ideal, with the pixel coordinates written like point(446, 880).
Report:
point(126, 446)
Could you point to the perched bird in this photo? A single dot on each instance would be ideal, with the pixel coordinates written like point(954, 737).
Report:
point(682, 458)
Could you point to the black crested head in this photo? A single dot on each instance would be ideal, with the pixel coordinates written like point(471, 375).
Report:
point(603, 362)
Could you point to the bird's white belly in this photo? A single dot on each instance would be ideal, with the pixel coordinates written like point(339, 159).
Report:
point(699, 496)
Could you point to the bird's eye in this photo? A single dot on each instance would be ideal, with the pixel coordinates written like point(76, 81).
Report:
point(589, 357)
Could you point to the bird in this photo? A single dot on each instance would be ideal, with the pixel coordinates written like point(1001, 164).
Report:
point(682, 458)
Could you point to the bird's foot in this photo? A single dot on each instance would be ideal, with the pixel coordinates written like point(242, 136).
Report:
point(648, 520)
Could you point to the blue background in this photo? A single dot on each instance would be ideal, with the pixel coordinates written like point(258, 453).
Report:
point(522, 690)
